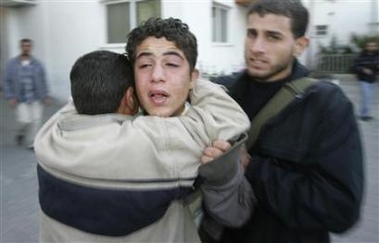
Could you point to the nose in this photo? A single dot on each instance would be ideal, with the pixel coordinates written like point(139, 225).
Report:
point(158, 74)
point(257, 45)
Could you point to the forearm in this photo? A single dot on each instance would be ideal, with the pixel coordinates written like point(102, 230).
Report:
point(227, 196)
point(230, 204)
point(225, 116)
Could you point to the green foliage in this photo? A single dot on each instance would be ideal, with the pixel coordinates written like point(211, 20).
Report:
point(336, 58)
point(360, 40)
point(335, 48)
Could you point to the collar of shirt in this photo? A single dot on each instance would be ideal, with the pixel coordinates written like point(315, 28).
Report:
point(186, 108)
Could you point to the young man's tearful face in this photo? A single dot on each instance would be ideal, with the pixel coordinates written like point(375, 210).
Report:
point(163, 77)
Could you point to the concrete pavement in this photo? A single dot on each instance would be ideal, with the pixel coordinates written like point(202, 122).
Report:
point(18, 182)
point(19, 191)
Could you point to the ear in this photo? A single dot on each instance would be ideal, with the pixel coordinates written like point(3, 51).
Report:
point(131, 100)
point(129, 104)
point(300, 45)
point(194, 76)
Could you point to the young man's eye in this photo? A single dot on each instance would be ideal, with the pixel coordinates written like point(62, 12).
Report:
point(251, 33)
point(273, 37)
point(145, 65)
point(171, 65)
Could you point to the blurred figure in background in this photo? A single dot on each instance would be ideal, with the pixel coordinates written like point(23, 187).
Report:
point(366, 67)
point(26, 90)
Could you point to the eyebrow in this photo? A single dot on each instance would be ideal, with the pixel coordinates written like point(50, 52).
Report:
point(168, 53)
point(273, 32)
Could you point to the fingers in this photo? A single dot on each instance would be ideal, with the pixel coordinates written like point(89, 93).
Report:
point(244, 157)
point(210, 153)
point(205, 159)
point(218, 148)
point(222, 145)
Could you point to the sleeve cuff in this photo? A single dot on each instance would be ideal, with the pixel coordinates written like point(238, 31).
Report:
point(222, 169)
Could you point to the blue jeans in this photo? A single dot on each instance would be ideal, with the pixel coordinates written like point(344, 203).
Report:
point(367, 93)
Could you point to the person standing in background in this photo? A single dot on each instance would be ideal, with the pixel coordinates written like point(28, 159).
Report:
point(366, 67)
point(26, 90)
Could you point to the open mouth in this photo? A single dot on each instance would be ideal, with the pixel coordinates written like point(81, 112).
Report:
point(158, 97)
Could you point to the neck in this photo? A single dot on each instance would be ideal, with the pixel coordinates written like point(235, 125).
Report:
point(25, 56)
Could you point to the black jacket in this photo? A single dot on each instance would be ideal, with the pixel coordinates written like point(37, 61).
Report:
point(306, 167)
point(369, 61)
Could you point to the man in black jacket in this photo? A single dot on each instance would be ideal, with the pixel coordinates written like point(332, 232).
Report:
point(367, 68)
point(305, 167)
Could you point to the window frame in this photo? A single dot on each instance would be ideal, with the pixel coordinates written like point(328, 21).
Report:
point(321, 30)
point(132, 16)
point(216, 38)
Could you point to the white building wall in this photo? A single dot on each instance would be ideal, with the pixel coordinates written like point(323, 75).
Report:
point(71, 29)
point(343, 17)
point(351, 17)
point(226, 58)
point(213, 57)
point(64, 30)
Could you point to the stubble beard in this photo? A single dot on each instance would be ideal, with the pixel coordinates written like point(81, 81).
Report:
point(265, 77)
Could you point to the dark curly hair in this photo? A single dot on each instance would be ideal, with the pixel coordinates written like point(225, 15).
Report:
point(172, 29)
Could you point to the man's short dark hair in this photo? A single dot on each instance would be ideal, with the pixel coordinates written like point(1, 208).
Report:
point(25, 40)
point(172, 29)
point(292, 9)
point(99, 80)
